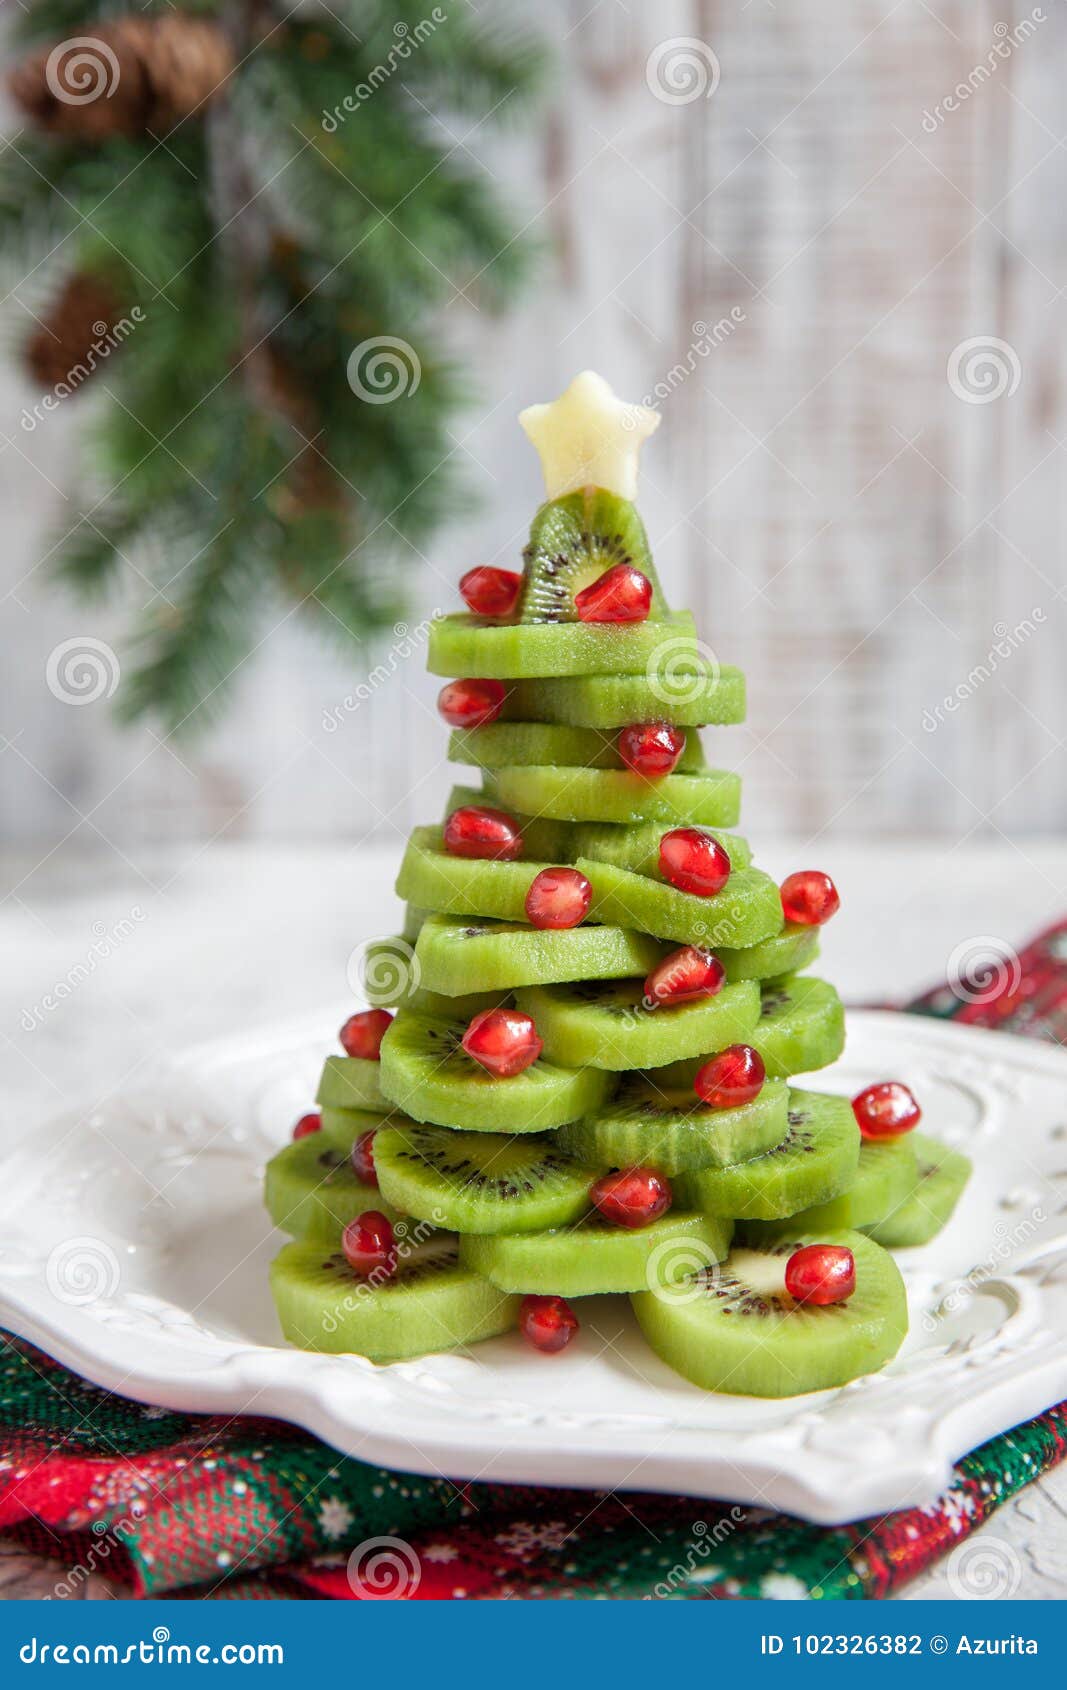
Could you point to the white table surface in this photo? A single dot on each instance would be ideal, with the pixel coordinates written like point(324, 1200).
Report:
point(201, 942)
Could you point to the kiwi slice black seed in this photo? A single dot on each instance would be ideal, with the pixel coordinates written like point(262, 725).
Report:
point(573, 541)
point(481, 1182)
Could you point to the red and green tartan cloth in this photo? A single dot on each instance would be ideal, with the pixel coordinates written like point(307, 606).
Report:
point(196, 1506)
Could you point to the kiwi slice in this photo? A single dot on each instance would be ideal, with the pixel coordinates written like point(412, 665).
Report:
point(432, 1303)
point(736, 1329)
point(431, 876)
point(637, 847)
point(481, 1182)
point(670, 1129)
point(941, 1175)
point(502, 745)
point(311, 1190)
point(595, 1257)
point(709, 695)
point(617, 795)
point(544, 839)
point(428, 1074)
point(573, 541)
point(500, 954)
point(609, 1023)
point(786, 952)
point(802, 1026)
point(349, 1082)
point(746, 911)
point(412, 923)
point(815, 1161)
point(341, 1127)
point(469, 645)
point(885, 1177)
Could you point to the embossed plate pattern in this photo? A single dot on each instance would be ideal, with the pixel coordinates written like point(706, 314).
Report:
point(135, 1249)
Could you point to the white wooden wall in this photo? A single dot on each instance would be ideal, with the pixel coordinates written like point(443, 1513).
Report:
point(844, 525)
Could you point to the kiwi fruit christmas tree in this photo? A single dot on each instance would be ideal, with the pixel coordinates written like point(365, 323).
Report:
point(575, 1078)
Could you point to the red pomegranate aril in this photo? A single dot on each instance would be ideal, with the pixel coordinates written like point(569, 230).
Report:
point(621, 594)
point(651, 748)
point(558, 897)
point(503, 1041)
point(369, 1245)
point(477, 831)
point(471, 704)
point(809, 898)
point(821, 1274)
point(733, 1077)
point(362, 1034)
point(308, 1124)
point(491, 592)
point(362, 1158)
point(548, 1323)
point(684, 975)
point(886, 1110)
point(693, 861)
point(632, 1197)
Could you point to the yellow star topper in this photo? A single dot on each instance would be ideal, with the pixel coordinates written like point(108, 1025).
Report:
point(589, 438)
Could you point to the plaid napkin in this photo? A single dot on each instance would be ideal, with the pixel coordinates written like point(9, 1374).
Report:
point(204, 1506)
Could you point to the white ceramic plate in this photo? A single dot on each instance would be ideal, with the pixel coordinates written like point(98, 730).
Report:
point(135, 1250)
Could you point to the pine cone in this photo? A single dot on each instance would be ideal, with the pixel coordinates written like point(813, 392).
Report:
point(128, 78)
point(81, 318)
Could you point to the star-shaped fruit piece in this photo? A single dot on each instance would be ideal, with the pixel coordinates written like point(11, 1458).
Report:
point(589, 438)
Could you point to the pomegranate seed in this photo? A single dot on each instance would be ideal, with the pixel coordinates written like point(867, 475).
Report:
point(621, 594)
point(685, 974)
point(369, 1244)
point(307, 1125)
point(471, 704)
point(476, 831)
point(548, 1323)
point(821, 1274)
point(504, 1041)
point(809, 898)
point(651, 748)
point(632, 1197)
point(491, 592)
point(362, 1158)
point(362, 1034)
point(886, 1110)
point(558, 897)
point(693, 861)
point(733, 1077)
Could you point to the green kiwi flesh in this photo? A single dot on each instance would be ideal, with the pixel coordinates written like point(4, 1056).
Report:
point(501, 745)
point(672, 1131)
point(746, 911)
point(815, 1161)
point(595, 1257)
point(711, 796)
point(481, 1182)
point(500, 955)
point(611, 1024)
point(941, 1175)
